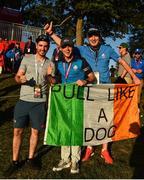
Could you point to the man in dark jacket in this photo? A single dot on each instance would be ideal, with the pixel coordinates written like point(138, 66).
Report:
point(30, 47)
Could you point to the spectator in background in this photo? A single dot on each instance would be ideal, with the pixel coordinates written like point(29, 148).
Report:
point(18, 57)
point(30, 47)
point(1, 55)
point(9, 56)
point(6, 44)
point(112, 71)
point(15, 55)
point(137, 65)
point(123, 51)
point(6, 47)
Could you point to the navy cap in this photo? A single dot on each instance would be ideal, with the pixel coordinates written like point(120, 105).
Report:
point(138, 50)
point(67, 42)
point(93, 31)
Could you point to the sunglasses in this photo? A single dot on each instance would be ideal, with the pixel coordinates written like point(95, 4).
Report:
point(122, 47)
point(137, 53)
point(65, 45)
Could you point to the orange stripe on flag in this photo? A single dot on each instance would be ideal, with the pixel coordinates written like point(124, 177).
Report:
point(126, 114)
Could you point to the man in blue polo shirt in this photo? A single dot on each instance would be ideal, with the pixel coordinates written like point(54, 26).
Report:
point(137, 65)
point(71, 69)
point(98, 55)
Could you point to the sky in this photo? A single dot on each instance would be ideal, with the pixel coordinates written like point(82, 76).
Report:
point(109, 41)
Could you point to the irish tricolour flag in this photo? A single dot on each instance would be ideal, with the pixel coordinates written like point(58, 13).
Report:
point(91, 115)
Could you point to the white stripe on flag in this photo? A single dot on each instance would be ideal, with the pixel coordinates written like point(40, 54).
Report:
point(98, 115)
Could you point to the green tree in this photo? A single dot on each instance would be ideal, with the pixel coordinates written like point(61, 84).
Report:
point(114, 18)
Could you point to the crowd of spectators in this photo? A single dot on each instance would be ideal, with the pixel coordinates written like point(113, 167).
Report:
point(12, 52)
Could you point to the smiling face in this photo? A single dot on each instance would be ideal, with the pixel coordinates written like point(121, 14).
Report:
point(67, 52)
point(137, 55)
point(42, 48)
point(94, 40)
point(122, 50)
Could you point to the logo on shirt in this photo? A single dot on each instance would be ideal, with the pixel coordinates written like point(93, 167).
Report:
point(75, 67)
point(103, 56)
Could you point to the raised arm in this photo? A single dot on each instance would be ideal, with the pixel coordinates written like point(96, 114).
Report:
point(129, 70)
point(49, 30)
point(123, 73)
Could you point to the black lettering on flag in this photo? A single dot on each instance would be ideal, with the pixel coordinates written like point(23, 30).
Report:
point(111, 131)
point(102, 115)
point(88, 92)
point(123, 92)
point(92, 134)
point(109, 95)
point(79, 92)
point(127, 92)
point(72, 94)
point(131, 91)
point(104, 133)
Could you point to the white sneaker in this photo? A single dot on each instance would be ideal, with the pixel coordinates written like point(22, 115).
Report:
point(74, 168)
point(62, 165)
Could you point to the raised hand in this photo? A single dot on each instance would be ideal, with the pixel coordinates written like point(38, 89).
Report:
point(48, 28)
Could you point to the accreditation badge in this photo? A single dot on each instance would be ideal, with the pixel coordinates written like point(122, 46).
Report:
point(37, 91)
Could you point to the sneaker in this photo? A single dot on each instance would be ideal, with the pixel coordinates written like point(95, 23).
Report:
point(88, 154)
point(74, 168)
point(13, 167)
point(62, 165)
point(106, 156)
point(33, 164)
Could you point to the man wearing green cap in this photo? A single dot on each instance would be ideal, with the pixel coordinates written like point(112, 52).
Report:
point(123, 51)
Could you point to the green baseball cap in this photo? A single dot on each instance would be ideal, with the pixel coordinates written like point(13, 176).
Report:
point(124, 45)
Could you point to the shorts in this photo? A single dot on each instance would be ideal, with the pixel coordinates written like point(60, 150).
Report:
point(35, 112)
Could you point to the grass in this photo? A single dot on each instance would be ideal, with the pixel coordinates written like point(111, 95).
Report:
point(128, 154)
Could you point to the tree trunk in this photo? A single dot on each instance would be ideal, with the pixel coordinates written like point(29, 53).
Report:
point(79, 35)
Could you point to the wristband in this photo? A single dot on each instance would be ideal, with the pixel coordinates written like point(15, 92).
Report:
point(51, 33)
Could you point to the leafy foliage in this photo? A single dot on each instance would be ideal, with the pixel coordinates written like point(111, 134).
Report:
point(114, 18)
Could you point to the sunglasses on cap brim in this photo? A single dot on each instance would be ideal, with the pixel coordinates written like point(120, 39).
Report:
point(90, 34)
point(65, 45)
point(137, 53)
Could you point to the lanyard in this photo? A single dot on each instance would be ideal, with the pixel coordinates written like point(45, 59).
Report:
point(68, 70)
point(137, 62)
point(38, 71)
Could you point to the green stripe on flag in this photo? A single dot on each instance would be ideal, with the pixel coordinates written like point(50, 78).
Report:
point(65, 118)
